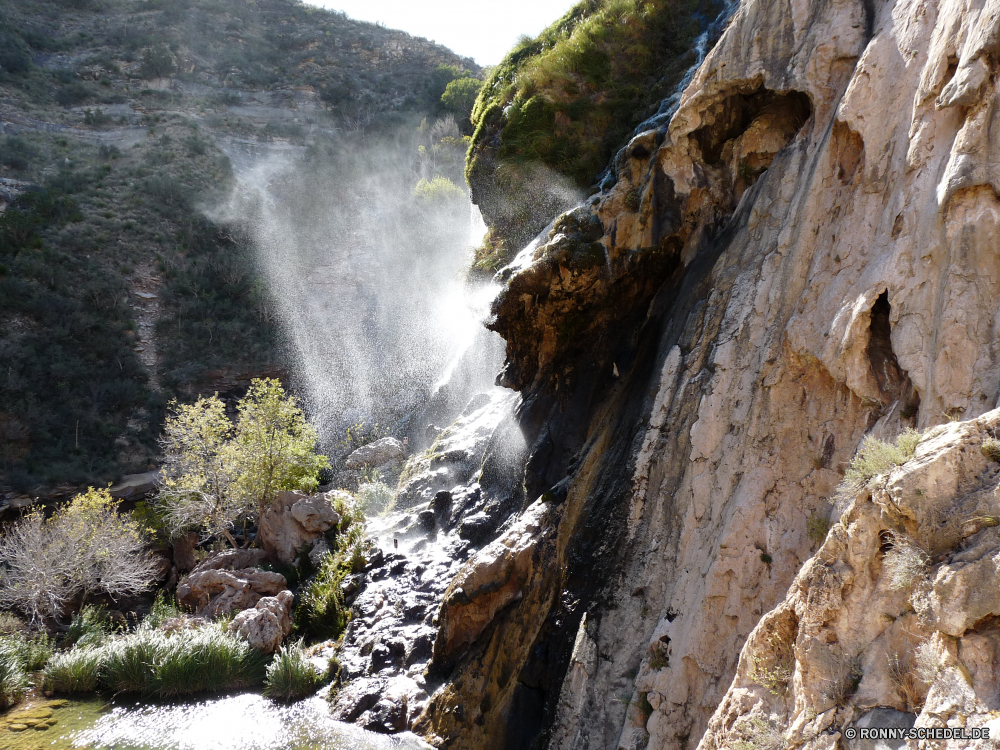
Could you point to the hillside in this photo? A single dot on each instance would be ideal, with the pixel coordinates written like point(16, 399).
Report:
point(121, 122)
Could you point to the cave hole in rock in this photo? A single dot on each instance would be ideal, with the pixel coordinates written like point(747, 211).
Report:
point(748, 130)
point(893, 382)
point(885, 541)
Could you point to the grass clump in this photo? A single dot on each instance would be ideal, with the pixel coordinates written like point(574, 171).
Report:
point(75, 671)
point(290, 676)
point(876, 457)
point(991, 449)
point(817, 527)
point(152, 663)
point(905, 563)
point(13, 677)
point(90, 627)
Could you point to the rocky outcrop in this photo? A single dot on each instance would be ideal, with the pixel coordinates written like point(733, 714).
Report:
point(375, 454)
point(803, 256)
point(897, 610)
point(228, 582)
point(267, 624)
point(295, 521)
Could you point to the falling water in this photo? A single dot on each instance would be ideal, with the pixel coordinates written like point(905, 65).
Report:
point(370, 284)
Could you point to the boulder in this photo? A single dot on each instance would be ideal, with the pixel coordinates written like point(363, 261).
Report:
point(228, 582)
point(376, 454)
point(266, 625)
point(294, 521)
point(184, 547)
point(134, 486)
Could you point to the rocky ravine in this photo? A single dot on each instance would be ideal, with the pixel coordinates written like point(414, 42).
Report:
point(803, 256)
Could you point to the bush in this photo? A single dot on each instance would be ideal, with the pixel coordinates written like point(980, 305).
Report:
point(876, 457)
point(818, 526)
point(905, 563)
point(85, 548)
point(290, 676)
point(16, 153)
point(321, 613)
point(15, 57)
point(216, 472)
point(991, 449)
point(438, 190)
point(374, 496)
point(13, 679)
point(156, 63)
point(90, 627)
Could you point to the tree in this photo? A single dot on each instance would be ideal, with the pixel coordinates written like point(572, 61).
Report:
point(215, 473)
point(460, 95)
point(199, 469)
point(87, 547)
point(157, 62)
point(275, 446)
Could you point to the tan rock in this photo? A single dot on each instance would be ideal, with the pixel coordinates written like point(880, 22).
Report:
point(295, 521)
point(217, 586)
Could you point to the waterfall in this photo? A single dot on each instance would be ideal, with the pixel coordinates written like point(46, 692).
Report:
point(369, 283)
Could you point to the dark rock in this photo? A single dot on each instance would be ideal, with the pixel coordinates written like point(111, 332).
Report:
point(427, 519)
point(441, 504)
point(184, 547)
point(398, 567)
point(351, 585)
point(387, 717)
point(477, 528)
point(381, 657)
point(421, 649)
point(375, 558)
point(357, 697)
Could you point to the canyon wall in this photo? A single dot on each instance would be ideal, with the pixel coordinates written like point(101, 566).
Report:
point(804, 256)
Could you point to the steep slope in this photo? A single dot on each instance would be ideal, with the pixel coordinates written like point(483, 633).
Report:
point(122, 123)
point(805, 256)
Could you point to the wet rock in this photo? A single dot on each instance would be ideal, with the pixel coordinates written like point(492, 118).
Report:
point(351, 585)
point(294, 521)
point(387, 717)
point(427, 520)
point(441, 504)
point(376, 454)
point(357, 697)
point(374, 558)
point(420, 650)
point(268, 624)
point(477, 528)
point(320, 550)
point(381, 657)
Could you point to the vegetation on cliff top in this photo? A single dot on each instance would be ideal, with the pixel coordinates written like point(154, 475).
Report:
point(568, 99)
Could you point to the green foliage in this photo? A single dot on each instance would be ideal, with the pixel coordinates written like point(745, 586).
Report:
point(374, 495)
point(89, 627)
point(74, 671)
point(216, 472)
point(876, 457)
point(460, 95)
point(438, 190)
point(15, 56)
point(16, 153)
point(570, 97)
point(290, 676)
point(13, 677)
point(321, 613)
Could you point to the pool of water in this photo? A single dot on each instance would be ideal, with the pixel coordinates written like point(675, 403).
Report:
point(237, 722)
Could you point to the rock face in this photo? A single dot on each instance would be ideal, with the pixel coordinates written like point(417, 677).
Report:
point(228, 582)
point(267, 624)
point(896, 613)
point(805, 255)
point(294, 521)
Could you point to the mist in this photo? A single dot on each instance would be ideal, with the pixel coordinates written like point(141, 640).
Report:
point(364, 242)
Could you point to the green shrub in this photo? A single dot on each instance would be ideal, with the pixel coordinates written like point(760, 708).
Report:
point(905, 563)
point(290, 676)
point(876, 457)
point(438, 190)
point(374, 496)
point(321, 612)
point(818, 526)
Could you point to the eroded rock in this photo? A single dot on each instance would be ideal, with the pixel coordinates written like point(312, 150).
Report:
point(227, 582)
point(294, 521)
point(267, 624)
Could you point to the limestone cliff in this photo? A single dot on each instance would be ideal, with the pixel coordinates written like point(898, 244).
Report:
point(805, 255)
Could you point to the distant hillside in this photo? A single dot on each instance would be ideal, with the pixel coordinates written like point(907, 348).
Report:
point(121, 120)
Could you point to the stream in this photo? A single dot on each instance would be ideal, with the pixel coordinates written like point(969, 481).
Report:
point(236, 722)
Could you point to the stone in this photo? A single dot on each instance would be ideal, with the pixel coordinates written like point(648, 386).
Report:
point(266, 625)
point(294, 521)
point(441, 504)
point(881, 718)
point(184, 547)
point(135, 486)
point(427, 520)
point(477, 527)
point(376, 454)
point(226, 583)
